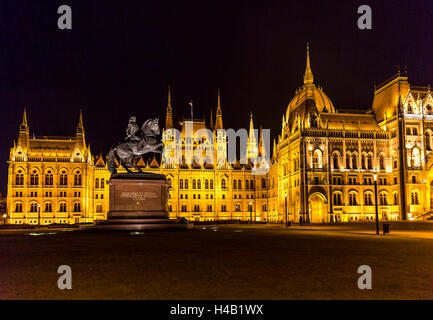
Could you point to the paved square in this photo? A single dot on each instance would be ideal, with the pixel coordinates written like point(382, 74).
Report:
point(228, 262)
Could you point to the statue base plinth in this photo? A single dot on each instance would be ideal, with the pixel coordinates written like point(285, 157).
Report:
point(138, 201)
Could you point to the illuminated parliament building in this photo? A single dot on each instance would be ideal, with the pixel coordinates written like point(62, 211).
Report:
point(323, 166)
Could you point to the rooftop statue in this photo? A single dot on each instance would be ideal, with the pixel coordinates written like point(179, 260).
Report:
point(137, 142)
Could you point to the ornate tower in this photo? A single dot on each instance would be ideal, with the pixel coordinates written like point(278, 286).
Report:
point(169, 112)
point(23, 138)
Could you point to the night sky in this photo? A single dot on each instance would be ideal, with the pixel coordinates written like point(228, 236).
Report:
point(120, 57)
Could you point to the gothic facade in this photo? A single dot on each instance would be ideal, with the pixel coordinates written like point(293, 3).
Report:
point(323, 167)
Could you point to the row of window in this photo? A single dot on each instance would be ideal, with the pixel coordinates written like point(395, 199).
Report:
point(34, 207)
point(368, 199)
point(49, 178)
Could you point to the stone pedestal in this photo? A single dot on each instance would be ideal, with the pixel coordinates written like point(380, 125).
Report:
point(138, 201)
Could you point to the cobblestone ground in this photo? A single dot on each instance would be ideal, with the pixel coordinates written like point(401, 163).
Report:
point(228, 262)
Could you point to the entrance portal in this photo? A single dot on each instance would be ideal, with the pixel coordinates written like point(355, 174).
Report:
point(318, 208)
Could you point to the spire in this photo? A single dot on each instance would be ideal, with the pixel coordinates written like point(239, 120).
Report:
point(80, 121)
point(24, 127)
point(219, 113)
point(252, 141)
point(24, 122)
point(24, 133)
point(308, 76)
point(80, 131)
point(169, 112)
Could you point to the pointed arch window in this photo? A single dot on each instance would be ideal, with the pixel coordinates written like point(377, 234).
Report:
point(381, 162)
point(97, 183)
point(369, 162)
point(211, 184)
point(414, 198)
point(34, 178)
point(206, 184)
point(181, 184)
point(239, 184)
point(335, 161)
point(367, 199)
point(223, 183)
point(18, 207)
point(19, 178)
point(235, 184)
point(62, 207)
point(427, 141)
point(77, 178)
point(354, 161)
point(102, 183)
point(63, 178)
point(317, 158)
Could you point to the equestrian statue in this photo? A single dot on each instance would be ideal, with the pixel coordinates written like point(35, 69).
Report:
point(137, 142)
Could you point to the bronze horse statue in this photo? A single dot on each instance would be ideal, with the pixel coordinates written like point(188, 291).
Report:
point(137, 143)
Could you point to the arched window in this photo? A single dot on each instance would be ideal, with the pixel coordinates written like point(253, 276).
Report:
point(77, 178)
point(77, 207)
point(396, 199)
point(367, 199)
point(369, 162)
point(198, 184)
point(97, 183)
point(48, 207)
point(102, 183)
point(223, 183)
point(18, 207)
point(348, 160)
point(381, 162)
point(186, 183)
point(49, 178)
point(33, 207)
point(317, 158)
point(239, 184)
point(337, 199)
point(34, 178)
point(352, 199)
point(63, 178)
point(247, 184)
point(181, 184)
point(382, 199)
point(252, 184)
point(263, 183)
point(416, 157)
point(363, 163)
point(194, 184)
point(62, 207)
point(354, 161)
point(427, 141)
point(211, 184)
point(235, 184)
point(414, 198)
point(99, 208)
point(206, 184)
point(335, 161)
point(19, 178)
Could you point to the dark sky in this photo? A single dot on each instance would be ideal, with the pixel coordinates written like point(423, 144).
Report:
point(120, 57)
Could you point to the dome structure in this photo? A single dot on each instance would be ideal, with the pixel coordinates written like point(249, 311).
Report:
point(310, 91)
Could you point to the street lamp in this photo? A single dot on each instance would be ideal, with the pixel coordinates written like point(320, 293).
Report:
point(5, 216)
point(39, 215)
point(375, 200)
point(251, 211)
point(285, 208)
